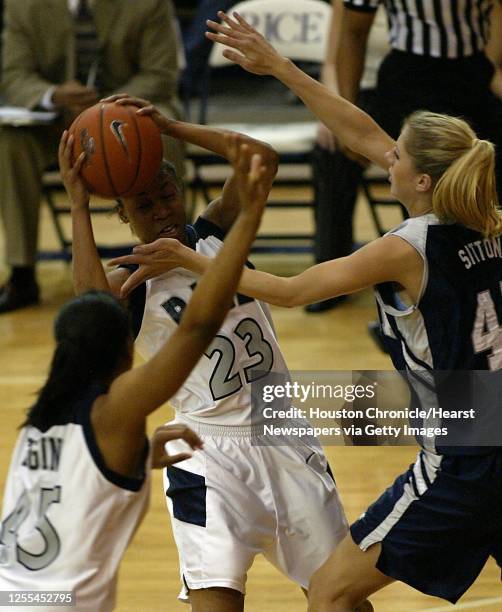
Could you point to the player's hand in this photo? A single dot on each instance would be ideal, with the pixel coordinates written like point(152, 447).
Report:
point(250, 174)
point(70, 173)
point(165, 433)
point(249, 49)
point(144, 108)
point(153, 259)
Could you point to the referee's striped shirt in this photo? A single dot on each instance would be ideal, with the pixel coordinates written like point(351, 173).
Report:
point(434, 28)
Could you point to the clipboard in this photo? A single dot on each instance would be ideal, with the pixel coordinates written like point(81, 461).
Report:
point(19, 116)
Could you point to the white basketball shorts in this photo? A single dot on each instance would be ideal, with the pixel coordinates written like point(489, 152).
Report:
point(235, 499)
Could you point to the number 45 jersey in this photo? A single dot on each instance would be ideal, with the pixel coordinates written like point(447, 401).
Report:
point(244, 348)
point(67, 518)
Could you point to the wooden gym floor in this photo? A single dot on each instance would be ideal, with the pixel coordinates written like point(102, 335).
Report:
point(336, 340)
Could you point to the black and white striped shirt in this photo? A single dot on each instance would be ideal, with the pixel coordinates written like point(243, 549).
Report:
point(434, 28)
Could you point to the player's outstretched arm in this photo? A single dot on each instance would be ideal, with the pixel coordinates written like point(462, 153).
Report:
point(254, 53)
point(88, 272)
point(138, 392)
point(385, 259)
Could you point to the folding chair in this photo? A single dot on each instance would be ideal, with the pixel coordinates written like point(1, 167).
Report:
point(51, 185)
point(298, 29)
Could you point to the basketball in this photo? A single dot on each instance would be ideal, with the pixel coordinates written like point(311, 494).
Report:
point(123, 149)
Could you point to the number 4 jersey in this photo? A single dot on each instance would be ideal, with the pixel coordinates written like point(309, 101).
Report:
point(457, 321)
point(454, 328)
point(244, 348)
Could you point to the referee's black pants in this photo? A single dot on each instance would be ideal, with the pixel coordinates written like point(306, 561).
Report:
point(336, 181)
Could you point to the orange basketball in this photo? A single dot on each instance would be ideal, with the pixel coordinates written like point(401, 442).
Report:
point(123, 149)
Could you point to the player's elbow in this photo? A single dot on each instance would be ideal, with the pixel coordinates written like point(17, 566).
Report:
point(287, 296)
point(288, 304)
point(291, 301)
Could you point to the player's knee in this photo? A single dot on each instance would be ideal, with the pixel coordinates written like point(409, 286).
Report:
point(325, 603)
point(216, 599)
point(325, 593)
point(322, 591)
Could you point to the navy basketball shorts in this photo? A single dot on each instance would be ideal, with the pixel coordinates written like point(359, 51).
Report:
point(235, 499)
point(438, 523)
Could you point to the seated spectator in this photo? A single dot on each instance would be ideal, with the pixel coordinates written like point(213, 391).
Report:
point(65, 58)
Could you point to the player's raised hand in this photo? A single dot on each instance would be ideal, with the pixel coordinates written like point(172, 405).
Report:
point(248, 48)
point(165, 433)
point(152, 259)
point(249, 172)
point(70, 173)
point(144, 108)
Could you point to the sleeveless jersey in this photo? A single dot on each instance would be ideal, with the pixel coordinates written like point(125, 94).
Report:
point(457, 322)
point(244, 348)
point(67, 519)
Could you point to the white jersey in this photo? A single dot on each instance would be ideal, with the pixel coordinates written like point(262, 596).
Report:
point(245, 346)
point(66, 518)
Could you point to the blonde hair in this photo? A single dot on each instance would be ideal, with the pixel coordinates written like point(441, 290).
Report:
point(462, 169)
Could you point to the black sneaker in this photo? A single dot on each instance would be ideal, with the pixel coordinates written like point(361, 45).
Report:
point(14, 296)
point(326, 304)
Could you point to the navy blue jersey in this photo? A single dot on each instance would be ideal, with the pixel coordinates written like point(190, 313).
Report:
point(457, 322)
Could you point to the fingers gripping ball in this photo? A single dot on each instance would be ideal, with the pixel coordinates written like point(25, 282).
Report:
point(123, 150)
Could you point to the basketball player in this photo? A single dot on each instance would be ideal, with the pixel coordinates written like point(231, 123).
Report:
point(438, 280)
point(240, 498)
point(78, 483)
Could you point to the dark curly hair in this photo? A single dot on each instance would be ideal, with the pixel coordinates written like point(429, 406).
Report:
point(93, 336)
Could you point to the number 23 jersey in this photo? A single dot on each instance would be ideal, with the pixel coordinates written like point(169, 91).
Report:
point(244, 348)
